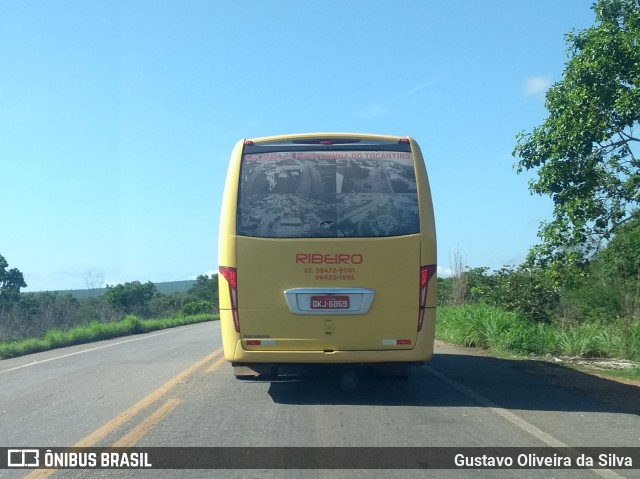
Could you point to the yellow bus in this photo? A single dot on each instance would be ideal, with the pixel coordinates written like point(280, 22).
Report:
point(327, 252)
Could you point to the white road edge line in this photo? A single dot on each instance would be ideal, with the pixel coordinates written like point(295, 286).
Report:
point(516, 420)
point(35, 363)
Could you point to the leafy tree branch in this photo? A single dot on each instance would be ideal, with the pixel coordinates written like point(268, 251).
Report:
point(584, 151)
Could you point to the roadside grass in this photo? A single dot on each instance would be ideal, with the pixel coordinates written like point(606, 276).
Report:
point(96, 331)
point(488, 327)
point(632, 373)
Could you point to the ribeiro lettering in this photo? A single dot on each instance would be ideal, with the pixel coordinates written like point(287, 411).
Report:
point(318, 258)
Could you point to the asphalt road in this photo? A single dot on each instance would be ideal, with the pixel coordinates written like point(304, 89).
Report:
point(171, 388)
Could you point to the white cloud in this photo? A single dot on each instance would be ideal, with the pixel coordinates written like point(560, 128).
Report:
point(374, 110)
point(536, 85)
point(256, 123)
point(417, 89)
point(386, 106)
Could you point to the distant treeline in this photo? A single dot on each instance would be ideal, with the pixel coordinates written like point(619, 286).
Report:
point(31, 315)
point(168, 287)
point(603, 289)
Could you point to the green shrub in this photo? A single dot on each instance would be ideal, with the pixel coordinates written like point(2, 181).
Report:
point(477, 325)
point(490, 327)
point(197, 307)
point(132, 324)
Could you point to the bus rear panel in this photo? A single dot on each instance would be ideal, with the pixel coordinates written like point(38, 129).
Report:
point(327, 251)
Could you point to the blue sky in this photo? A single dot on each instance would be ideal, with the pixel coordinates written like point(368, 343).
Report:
point(117, 118)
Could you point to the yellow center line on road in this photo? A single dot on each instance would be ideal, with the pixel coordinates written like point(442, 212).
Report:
point(138, 432)
point(216, 365)
point(100, 433)
point(128, 414)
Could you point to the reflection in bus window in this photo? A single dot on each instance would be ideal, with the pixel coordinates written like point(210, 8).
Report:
point(328, 194)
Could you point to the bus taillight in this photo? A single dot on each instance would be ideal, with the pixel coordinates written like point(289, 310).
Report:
point(426, 272)
point(231, 275)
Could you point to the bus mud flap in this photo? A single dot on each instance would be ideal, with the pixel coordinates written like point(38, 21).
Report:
point(255, 370)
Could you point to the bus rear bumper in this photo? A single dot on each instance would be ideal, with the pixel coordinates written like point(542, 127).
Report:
point(415, 355)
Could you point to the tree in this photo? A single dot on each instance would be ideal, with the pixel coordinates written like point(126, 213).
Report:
point(10, 283)
point(617, 266)
point(93, 279)
point(202, 297)
point(526, 291)
point(459, 292)
point(205, 288)
point(480, 284)
point(131, 297)
point(586, 151)
point(621, 258)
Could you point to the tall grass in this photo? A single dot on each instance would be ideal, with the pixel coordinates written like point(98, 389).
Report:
point(489, 327)
point(95, 331)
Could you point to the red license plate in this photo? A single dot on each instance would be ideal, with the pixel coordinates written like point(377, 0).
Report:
point(329, 302)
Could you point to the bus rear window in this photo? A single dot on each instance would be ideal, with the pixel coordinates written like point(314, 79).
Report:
point(327, 194)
